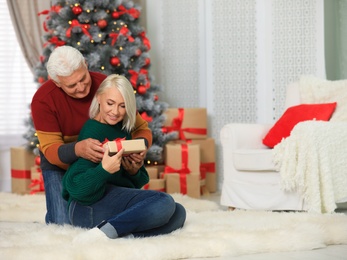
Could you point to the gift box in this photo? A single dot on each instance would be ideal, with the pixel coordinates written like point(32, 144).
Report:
point(155, 184)
point(182, 161)
point(207, 159)
point(190, 123)
point(183, 183)
point(130, 146)
point(152, 172)
point(21, 162)
point(37, 184)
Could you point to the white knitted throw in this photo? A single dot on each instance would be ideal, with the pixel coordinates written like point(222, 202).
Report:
point(315, 90)
point(313, 162)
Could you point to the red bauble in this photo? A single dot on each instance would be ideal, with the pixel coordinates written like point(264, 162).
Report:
point(77, 10)
point(138, 52)
point(41, 80)
point(102, 24)
point(114, 61)
point(141, 90)
point(147, 61)
point(156, 97)
point(115, 15)
point(37, 160)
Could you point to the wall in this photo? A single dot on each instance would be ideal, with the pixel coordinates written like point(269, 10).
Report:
point(233, 57)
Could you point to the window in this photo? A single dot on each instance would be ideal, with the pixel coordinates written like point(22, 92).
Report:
point(17, 84)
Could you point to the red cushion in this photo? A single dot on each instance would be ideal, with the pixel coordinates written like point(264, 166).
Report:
point(294, 115)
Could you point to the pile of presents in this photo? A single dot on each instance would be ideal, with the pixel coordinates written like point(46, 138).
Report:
point(189, 161)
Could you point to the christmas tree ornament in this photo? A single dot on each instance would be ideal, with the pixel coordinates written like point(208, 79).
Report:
point(77, 10)
point(155, 97)
point(141, 90)
point(102, 23)
point(114, 61)
point(37, 160)
point(41, 80)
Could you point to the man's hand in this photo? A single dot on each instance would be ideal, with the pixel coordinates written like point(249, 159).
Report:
point(90, 149)
point(137, 157)
point(133, 162)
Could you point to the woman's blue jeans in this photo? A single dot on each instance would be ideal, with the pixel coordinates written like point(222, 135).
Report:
point(131, 211)
point(55, 204)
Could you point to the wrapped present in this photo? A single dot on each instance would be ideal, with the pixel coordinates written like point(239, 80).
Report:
point(207, 159)
point(185, 184)
point(37, 185)
point(155, 184)
point(190, 123)
point(152, 172)
point(130, 146)
point(183, 160)
point(21, 162)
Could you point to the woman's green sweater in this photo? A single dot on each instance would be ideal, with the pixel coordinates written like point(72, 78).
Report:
point(85, 181)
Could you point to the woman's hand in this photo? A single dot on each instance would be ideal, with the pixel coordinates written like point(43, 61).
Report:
point(112, 164)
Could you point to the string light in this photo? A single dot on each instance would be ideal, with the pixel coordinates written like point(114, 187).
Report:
point(102, 67)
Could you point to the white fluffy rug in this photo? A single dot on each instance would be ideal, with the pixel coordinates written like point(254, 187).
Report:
point(208, 232)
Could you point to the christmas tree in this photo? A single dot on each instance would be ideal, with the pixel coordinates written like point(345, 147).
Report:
point(108, 34)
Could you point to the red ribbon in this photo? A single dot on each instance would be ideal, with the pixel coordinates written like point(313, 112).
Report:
point(36, 182)
point(207, 167)
point(76, 23)
point(132, 11)
point(145, 40)
point(184, 169)
point(146, 187)
point(177, 126)
point(55, 40)
point(21, 174)
point(123, 31)
point(134, 75)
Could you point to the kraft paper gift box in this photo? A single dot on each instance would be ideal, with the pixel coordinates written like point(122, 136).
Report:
point(130, 146)
point(21, 162)
point(37, 184)
point(208, 161)
point(152, 172)
point(182, 170)
point(190, 123)
point(155, 184)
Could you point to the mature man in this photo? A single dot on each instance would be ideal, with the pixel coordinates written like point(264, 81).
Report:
point(59, 109)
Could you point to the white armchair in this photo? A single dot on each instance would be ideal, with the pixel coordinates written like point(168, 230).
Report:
point(250, 178)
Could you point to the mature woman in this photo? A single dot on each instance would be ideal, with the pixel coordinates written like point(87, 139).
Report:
point(108, 195)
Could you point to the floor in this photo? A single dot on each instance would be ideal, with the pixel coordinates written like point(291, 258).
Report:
point(336, 252)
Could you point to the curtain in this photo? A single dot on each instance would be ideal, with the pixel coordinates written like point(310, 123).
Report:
point(28, 26)
point(335, 23)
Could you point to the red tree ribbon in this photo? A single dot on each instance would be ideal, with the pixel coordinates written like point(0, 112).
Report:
point(55, 40)
point(132, 11)
point(145, 40)
point(76, 23)
point(134, 75)
point(184, 169)
point(177, 126)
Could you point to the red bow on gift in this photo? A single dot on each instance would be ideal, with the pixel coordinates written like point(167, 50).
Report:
point(38, 182)
point(177, 126)
point(183, 171)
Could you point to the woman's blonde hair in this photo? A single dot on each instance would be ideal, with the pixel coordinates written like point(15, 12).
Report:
point(126, 90)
